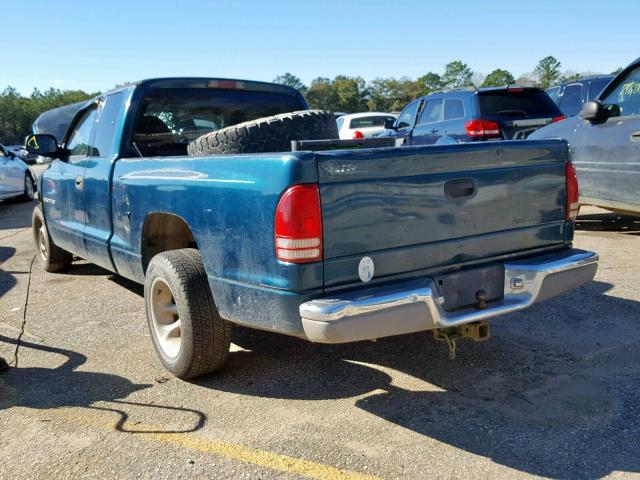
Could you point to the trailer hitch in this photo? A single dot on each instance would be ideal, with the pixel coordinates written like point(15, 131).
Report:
point(477, 331)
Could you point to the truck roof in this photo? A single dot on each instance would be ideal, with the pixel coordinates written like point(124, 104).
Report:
point(208, 82)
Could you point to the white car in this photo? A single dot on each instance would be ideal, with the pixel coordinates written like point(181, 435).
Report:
point(16, 178)
point(362, 125)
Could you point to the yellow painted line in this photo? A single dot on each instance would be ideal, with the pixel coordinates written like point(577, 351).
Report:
point(263, 458)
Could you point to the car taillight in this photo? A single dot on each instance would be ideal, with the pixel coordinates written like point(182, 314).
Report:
point(482, 129)
point(559, 118)
point(358, 134)
point(298, 225)
point(573, 196)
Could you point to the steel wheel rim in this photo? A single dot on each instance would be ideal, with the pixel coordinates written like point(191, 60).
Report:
point(165, 319)
point(42, 244)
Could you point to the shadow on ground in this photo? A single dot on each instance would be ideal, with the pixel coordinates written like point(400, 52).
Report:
point(15, 215)
point(530, 399)
point(65, 386)
point(609, 222)
point(7, 277)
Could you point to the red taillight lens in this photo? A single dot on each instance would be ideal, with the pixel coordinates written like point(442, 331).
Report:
point(298, 225)
point(573, 196)
point(358, 134)
point(482, 129)
point(558, 118)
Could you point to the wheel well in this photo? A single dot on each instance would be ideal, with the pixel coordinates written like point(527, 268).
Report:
point(162, 232)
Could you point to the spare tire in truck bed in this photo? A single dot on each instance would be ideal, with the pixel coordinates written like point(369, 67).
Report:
point(268, 134)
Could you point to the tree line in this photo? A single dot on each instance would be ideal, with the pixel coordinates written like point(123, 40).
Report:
point(340, 94)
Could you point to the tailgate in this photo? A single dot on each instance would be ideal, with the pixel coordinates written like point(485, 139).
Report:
point(522, 128)
point(414, 209)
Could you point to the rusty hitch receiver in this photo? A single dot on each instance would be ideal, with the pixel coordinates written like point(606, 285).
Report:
point(477, 331)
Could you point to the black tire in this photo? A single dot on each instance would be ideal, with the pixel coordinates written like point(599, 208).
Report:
point(50, 257)
point(269, 134)
point(29, 189)
point(204, 336)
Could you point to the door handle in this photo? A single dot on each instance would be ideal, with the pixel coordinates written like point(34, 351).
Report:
point(459, 189)
point(434, 130)
point(79, 182)
point(635, 136)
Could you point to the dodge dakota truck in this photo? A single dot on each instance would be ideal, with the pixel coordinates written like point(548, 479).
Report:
point(331, 246)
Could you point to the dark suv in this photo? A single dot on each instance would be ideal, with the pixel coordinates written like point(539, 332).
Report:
point(469, 115)
point(570, 96)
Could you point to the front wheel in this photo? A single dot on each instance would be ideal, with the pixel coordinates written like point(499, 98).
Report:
point(50, 257)
point(188, 334)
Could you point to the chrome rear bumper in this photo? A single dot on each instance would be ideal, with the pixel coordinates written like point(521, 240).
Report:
point(416, 305)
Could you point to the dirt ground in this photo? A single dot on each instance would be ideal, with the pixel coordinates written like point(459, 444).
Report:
point(554, 393)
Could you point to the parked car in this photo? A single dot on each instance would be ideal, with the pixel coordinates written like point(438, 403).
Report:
point(605, 144)
point(16, 179)
point(331, 246)
point(363, 125)
point(471, 115)
point(570, 96)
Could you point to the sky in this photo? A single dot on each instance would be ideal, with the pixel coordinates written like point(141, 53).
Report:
point(93, 45)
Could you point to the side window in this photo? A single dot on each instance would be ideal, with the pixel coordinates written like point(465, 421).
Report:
point(79, 140)
point(2, 154)
point(453, 108)
point(109, 111)
point(431, 112)
point(553, 93)
point(571, 99)
point(408, 115)
point(596, 87)
point(339, 122)
point(625, 97)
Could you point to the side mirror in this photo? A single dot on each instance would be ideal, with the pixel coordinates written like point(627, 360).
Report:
point(42, 144)
point(389, 124)
point(594, 112)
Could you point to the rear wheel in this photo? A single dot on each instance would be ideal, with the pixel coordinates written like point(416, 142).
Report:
point(29, 188)
point(50, 257)
point(188, 334)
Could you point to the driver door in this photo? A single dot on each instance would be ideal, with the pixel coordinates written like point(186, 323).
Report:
point(607, 154)
point(63, 187)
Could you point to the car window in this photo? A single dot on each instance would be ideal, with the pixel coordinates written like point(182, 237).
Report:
point(2, 154)
point(109, 111)
point(79, 141)
point(626, 95)
point(571, 99)
point(517, 103)
point(596, 86)
point(339, 122)
point(453, 108)
point(367, 122)
point(408, 115)
point(432, 111)
point(553, 93)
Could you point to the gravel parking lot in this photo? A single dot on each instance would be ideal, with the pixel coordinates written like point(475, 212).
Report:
point(554, 393)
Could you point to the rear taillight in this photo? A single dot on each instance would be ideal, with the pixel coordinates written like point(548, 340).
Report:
point(559, 118)
point(573, 197)
point(298, 225)
point(358, 134)
point(482, 129)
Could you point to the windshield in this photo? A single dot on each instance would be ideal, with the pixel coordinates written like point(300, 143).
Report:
point(171, 118)
point(518, 104)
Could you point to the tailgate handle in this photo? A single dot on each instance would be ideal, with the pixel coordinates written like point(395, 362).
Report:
point(458, 189)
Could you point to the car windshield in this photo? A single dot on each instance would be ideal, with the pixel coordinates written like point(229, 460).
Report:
point(170, 118)
point(517, 103)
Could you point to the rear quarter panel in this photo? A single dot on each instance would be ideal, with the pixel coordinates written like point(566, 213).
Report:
point(229, 204)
